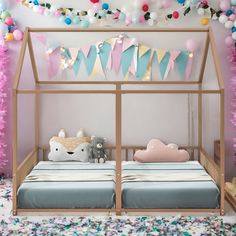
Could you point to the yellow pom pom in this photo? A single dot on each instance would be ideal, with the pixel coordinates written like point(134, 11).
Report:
point(204, 21)
point(9, 37)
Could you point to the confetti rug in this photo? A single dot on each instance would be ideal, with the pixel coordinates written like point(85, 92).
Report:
point(102, 225)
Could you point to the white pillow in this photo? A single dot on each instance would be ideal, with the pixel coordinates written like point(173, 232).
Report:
point(64, 148)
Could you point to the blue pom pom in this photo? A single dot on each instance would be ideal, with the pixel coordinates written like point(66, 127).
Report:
point(181, 1)
point(101, 13)
point(229, 12)
point(105, 6)
point(84, 24)
point(68, 21)
point(36, 2)
point(233, 29)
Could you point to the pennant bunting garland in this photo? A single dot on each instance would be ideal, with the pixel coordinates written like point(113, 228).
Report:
point(121, 53)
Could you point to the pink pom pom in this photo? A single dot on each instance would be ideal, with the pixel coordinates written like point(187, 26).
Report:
point(191, 45)
point(232, 17)
point(41, 10)
point(57, 13)
point(224, 5)
point(128, 20)
point(141, 19)
point(97, 7)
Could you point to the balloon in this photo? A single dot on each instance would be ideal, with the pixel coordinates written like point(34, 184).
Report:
point(5, 14)
point(68, 21)
point(229, 41)
point(9, 37)
point(153, 15)
point(224, 5)
point(3, 29)
point(223, 19)
point(175, 15)
point(234, 35)
point(181, 1)
point(204, 21)
point(145, 7)
point(201, 11)
point(191, 45)
point(166, 3)
point(229, 12)
point(229, 24)
point(3, 5)
point(84, 24)
point(18, 35)
point(9, 21)
point(105, 6)
point(232, 17)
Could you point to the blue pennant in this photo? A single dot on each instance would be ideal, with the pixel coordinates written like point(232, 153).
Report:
point(182, 61)
point(126, 59)
point(90, 59)
point(142, 64)
point(77, 62)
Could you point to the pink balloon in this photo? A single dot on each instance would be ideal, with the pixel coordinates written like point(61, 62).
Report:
point(166, 3)
point(229, 41)
point(18, 35)
point(9, 21)
point(232, 17)
point(224, 5)
point(191, 45)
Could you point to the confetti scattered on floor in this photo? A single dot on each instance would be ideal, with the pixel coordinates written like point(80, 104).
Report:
point(102, 225)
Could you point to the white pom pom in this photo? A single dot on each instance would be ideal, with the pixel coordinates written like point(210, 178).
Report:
point(234, 35)
point(46, 12)
point(153, 15)
point(35, 8)
point(150, 22)
point(201, 11)
point(235, 23)
point(229, 24)
point(93, 20)
point(223, 19)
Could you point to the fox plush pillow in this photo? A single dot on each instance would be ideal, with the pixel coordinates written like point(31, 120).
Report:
point(64, 148)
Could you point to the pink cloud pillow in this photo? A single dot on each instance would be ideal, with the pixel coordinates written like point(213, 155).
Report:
point(159, 152)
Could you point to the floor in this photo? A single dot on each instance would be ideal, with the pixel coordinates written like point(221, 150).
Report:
point(164, 224)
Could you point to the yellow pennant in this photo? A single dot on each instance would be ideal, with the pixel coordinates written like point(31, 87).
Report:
point(142, 49)
point(160, 54)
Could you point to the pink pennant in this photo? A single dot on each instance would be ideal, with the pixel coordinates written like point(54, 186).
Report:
point(116, 56)
point(85, 50)
point(54, 63)
point(171, 64)
point(128, 42)
point(42, 38)
point(188, 68)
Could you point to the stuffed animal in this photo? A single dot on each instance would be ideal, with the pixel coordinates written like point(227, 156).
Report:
point(64, 148)
point(97, 152)
point(157, 151)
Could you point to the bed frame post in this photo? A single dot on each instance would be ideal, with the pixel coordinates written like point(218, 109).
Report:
point(37, 95)
point(222, 154)
point(118, 150)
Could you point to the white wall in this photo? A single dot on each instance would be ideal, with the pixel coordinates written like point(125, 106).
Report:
point(144, 117)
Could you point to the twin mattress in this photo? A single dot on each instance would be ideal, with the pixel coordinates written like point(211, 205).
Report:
point(68, 185)
point(144, 185)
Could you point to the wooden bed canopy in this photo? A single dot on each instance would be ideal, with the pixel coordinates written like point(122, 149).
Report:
point(20, 171)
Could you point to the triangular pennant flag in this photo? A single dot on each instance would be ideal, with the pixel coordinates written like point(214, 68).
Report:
point(73, 53)
point(133, 66)
point(160, 54)
point(126, 59)
point(142, 50)
point(85, 50)
point(163, 64)
point(116, 56)
point(53, 63)
point(128, 42)
point(104, 54)
point(142, 64)
point(77, 62)
point(181, 62)
point(90, 59)
point(173, 56)
point(97, 69)
point(189, 66)
point(147, 76)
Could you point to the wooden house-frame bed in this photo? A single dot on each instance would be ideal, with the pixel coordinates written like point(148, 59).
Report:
point(21, 171)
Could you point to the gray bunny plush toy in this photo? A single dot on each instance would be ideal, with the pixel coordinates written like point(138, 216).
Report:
point(96, 151)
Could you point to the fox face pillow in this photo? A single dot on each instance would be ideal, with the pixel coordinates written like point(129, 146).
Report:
point(64, 148)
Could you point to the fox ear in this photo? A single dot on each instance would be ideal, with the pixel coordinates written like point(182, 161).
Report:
point(80, 134)
point(62, 133)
